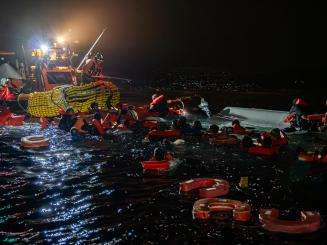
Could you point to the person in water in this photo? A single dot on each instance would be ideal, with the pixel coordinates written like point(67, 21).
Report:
point(127, 115)
point(94, 109)
point(159, 104)
point(213, 129)
point(237, 128)
point(197, 128)
point(159, 154)
point(298, 110)
point(265, 140)
point(67, 120)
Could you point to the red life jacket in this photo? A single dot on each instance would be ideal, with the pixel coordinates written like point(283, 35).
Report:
point(301, 102)
point(160, 99)
point(5, 94)
point(238, 129)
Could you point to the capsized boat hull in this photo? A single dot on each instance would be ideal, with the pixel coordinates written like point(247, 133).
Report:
point(255, 117)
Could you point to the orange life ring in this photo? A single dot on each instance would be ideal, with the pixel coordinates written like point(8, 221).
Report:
point(208, 188)
point(230, 140)
point(263, 151)
point(315, 117)
point(153, 164)
point(310, 222)
point(206, 208)
point(156, 165)
point(312, 157)
point(171, 133)
point(35, 141)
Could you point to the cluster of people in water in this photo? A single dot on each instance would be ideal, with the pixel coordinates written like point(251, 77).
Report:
point(128, 118)
point(125, 118)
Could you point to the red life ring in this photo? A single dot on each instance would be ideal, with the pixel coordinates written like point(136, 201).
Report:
point(208, 188)
point(153, 164)
point(35, 141)
point(312, 157)
point(263, 151)
point(310, 222)
point(171, 133)
point(315, 117)
point(230, 140)
point(156, 165)
point(207, 207)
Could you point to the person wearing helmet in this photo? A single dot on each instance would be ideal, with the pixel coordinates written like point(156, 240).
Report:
point(159, 104)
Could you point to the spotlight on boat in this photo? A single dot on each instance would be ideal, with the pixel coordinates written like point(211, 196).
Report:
point(44, 48)
point(61, 39)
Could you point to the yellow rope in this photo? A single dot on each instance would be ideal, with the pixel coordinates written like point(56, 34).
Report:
point(49, 103)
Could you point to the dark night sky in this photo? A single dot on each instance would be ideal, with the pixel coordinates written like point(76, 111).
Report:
point(238, 36)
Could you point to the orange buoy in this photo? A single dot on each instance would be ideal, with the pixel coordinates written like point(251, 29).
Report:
point(208, 188)
point(309, 222)
point(35, 141)
point(206, 208)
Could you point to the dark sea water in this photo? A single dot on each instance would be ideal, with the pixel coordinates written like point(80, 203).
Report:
point(96, 192)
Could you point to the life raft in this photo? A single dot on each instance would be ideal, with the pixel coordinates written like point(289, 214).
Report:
point(312, 157)
point(208, 208)
point(161, 134)
point(263, 151)
point(35, 141)
point(310, 222)
point(208, 188)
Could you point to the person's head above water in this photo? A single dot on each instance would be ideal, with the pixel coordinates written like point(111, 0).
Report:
point(275, 133)
point(69, 110)
point(94, 106)
point(159, 154)
point(214, 129)
point(265, 139)
point(236, 122)
point(197, 124)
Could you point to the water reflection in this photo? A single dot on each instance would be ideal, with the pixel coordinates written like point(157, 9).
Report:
point(89, 193)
